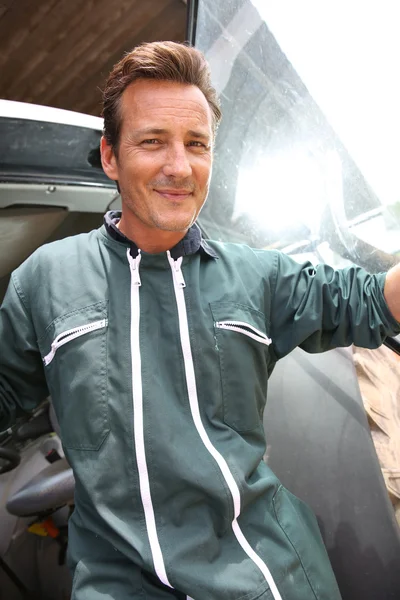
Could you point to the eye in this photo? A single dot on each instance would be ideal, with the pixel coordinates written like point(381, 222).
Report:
point(197, 144)
point(150, 141)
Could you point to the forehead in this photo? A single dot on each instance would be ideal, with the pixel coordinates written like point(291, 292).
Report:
point(151, 102)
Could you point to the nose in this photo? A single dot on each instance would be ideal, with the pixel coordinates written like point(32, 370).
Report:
point(177, 163)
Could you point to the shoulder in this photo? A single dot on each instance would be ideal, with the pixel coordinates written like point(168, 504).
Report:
point(234, 251)
point(66, 248)
point(56, 258)
point(260, 262)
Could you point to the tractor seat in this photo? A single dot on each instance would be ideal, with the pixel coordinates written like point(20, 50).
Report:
point(48, 490)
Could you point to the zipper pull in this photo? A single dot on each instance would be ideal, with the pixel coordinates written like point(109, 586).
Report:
point(176, 270)
point(134, 266)
point(49, 357)
point(178, 274)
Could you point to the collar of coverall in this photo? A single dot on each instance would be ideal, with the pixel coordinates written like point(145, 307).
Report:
point(190, 244)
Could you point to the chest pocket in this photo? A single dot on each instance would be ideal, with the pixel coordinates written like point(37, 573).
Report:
point(242, 345)
point(74, 353)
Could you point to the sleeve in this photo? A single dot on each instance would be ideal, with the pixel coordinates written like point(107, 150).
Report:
point(22, 380)
point(320, 308)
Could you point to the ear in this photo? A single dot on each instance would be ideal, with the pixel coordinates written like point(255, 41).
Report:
point(108, 159)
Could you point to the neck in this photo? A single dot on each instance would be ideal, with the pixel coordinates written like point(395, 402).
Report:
point(150, 239)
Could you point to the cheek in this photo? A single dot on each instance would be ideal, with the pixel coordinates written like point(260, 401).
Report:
point(205, 177)
point(141, 169)
point(202, 172)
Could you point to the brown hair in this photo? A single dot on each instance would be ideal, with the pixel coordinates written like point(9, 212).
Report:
point(164, 61)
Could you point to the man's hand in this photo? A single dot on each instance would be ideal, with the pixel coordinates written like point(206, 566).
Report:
point(392, 291)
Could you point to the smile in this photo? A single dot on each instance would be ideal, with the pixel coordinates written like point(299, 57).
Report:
point(174, 194)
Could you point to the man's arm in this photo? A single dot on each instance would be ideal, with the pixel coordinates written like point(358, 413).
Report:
point(22, 380)
point(320, 308)
point(392, 291)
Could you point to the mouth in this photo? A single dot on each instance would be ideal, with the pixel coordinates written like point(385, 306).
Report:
point(174, 194)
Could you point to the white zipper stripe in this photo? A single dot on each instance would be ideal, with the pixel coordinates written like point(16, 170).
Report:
point(192, 392)
point(259, 336)
point(256, 559)
point(138, 426)
point(194, 407)
point(72, 334)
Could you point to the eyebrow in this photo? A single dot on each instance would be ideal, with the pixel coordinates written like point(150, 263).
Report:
point(159, 131)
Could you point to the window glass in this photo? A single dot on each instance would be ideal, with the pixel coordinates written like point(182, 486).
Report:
point(306, 154)
point(49, 152)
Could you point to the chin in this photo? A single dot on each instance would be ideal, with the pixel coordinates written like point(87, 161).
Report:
point(177, 228)
point(175, 225)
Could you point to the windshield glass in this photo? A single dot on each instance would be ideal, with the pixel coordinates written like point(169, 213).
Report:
point(306, 154)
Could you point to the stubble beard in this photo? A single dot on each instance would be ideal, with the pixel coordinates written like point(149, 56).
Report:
point(158, 220)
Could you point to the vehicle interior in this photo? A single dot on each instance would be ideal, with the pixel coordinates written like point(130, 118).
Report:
point(304, 162)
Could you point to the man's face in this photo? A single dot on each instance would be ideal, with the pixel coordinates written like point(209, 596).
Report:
point(164, 159)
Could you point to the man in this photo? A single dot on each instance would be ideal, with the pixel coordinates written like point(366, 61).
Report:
point(156, 346)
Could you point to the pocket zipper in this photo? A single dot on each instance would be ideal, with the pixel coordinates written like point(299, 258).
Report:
point(71, 334)
point(245, 329)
